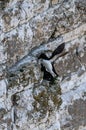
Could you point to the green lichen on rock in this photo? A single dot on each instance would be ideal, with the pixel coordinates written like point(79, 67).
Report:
point(29, 74)
point(41, 100)
point(2, 112)
point(3, 4)
point(55, 92)
point(44, 96)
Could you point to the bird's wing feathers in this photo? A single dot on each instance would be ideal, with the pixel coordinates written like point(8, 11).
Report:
point(58, 50)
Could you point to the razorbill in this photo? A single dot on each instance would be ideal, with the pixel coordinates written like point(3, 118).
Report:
point(47, 63)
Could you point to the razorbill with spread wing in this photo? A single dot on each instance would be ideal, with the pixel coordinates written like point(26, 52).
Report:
point(47, 63)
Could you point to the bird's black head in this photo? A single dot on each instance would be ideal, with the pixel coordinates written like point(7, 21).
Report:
point(43, 56)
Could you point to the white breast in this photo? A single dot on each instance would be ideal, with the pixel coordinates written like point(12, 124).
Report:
point(48, 66)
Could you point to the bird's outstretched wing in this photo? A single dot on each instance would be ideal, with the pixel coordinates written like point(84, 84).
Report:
point(58, 50)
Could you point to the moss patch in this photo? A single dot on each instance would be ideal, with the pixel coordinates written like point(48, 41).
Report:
point(47, 98)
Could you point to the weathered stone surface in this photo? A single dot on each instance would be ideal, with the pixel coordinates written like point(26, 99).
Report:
point(25, 33)
point(78, 113)
point(28, 28)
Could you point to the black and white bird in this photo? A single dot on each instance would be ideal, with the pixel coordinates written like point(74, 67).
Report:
point(47, 63)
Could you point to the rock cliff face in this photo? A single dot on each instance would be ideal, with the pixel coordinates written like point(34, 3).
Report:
point(28, 28)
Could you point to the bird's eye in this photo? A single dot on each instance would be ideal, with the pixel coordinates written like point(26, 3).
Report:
point(21, 70)
point(12, 75)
